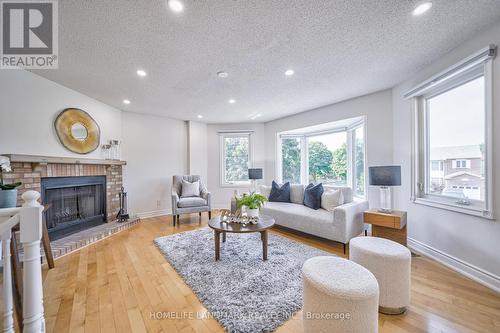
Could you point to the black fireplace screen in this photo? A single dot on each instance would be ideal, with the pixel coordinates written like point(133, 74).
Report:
point(76, 203)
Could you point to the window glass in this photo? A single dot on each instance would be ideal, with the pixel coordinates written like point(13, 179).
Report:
point(327, 159)
point(291, 160)
point(359, 162)
point(456, 132)
point(236, 158)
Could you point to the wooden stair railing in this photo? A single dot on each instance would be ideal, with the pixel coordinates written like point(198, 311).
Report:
point(17, 273)
point(29, 218)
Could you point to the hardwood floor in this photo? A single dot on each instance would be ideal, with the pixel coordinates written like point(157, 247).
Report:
point(117, 285)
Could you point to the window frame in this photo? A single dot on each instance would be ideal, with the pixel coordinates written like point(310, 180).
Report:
point(473, 67)
point(222, 157)
point(304, 170)
point(352, 162)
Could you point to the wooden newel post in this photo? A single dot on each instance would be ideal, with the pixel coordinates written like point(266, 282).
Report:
point(31, 234)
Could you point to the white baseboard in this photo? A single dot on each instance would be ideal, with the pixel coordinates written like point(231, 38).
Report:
point(475, 273)
point(154, 213)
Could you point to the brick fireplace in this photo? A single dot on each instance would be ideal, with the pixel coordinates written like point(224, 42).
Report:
point(31, 169)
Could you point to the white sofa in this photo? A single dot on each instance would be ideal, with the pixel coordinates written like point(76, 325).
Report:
point(341, 225)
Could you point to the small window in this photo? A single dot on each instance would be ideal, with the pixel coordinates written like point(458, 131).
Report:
point(461, 164)
point(235, 159)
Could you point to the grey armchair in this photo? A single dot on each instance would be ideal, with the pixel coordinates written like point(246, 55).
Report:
point(189, 205)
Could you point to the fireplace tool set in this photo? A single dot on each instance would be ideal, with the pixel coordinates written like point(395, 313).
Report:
point(122, 215)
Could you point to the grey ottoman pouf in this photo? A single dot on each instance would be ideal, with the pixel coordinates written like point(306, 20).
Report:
point(339, 296)
point(390, 262)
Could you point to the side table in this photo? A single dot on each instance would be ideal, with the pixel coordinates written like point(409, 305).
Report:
point(387, 225)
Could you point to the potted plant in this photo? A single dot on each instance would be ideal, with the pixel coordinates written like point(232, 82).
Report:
point(252, 202)
point(8, 192)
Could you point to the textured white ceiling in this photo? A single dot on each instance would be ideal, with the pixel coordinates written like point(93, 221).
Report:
point(338, 48)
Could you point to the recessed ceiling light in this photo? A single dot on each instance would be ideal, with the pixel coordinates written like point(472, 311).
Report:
point(256, 116)
point(126, 101)
point(141, 73)
point(222, 74)
point(232, 101)
point(175, 6)
point(289, 72)
point(200, 116)
point(422, 8)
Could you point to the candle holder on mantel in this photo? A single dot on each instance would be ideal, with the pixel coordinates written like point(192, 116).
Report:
point(112, 150)
point(106, 151)
point(116, 152)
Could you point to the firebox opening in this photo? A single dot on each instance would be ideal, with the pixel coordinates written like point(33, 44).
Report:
point(76, 203)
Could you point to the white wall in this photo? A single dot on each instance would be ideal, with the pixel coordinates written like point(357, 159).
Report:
point(377, 108)
point(467, 243)
point(29, 104)
point(155, 149)
point(222, 195)
point(197, 137)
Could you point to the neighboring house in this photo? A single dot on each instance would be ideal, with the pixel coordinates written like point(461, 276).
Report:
point(458, 171)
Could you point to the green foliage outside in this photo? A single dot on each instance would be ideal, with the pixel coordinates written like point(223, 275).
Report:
point(236, 159)
point(290, 152)
point(360, 167)
point(339, 163)
point(324, 165)
point(320, 161)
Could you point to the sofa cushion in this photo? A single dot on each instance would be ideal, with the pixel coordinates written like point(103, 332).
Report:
point(186, 202)
point(299, 217)
point(312, 196)
point(346, 192)
point(190, 189)
point(265, 190)
point(297, 193)
point(280, 194)
point(331, 199)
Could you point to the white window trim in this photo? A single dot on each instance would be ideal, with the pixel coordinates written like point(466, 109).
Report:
point(222, 159)
point(419, 169)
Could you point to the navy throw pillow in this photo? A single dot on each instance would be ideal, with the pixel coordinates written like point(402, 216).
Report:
point(280, 194)
point(312, 196)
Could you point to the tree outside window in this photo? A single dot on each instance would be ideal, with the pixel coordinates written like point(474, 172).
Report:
point(236, 158)
point(291, 157)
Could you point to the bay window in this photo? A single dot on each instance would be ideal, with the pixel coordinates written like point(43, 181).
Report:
point(333, 156)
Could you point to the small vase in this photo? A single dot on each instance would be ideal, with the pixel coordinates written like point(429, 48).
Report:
point(253, 212)
point(8, 198)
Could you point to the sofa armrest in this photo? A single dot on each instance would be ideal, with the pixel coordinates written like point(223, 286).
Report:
point(175, 201)
point(349, 218)
point(208, 197)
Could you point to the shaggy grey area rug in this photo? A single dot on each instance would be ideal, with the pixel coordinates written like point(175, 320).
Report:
point(244, 293)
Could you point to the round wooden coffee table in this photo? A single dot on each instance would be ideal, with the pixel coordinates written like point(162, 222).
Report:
point(221, 227)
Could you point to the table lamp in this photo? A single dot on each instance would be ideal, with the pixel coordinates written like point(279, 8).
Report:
point(385, 177)
point(254, 175)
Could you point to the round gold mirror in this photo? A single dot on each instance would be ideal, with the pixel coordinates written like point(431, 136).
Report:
point(77, 131)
